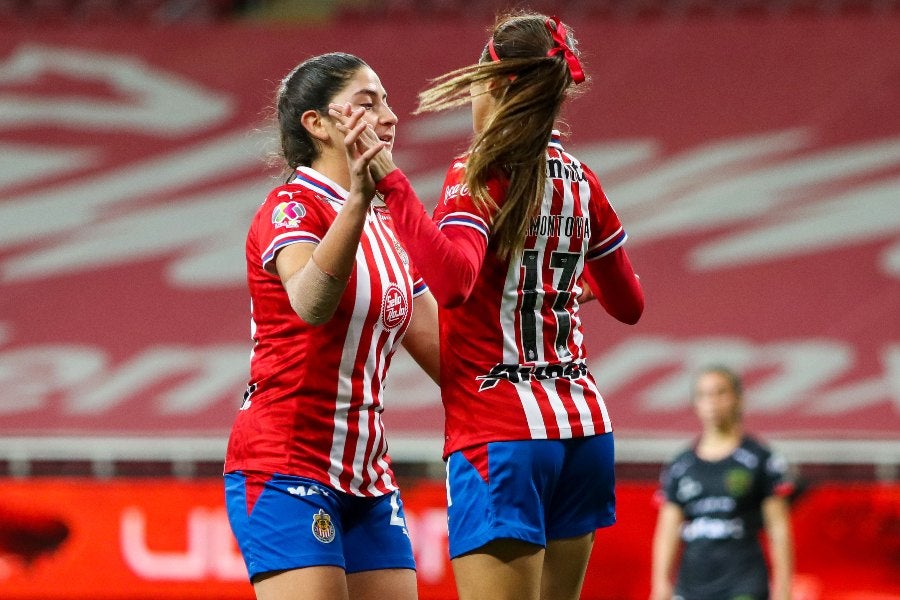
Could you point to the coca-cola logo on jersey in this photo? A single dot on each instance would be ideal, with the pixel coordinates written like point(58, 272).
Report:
point(394, 308)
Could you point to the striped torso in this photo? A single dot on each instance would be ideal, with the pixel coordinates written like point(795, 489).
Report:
point(512, 355)
point(314, 401)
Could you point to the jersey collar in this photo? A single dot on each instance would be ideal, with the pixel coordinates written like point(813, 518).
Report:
point(556, 139)
point(315, 181)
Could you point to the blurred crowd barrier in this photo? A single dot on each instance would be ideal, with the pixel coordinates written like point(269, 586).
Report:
point(205, 11)
point(65, 539)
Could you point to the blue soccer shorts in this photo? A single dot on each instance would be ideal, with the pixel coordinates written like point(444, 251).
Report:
point(530, 490)
point(296, 522)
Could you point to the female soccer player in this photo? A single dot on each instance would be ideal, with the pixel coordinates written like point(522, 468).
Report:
point(311, 495)
point(519, 224)
point(717, 496)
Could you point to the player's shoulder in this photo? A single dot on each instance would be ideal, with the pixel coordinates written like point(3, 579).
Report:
point(588, 172)
point(292, 192)
point(289, 203)
point(756, 446)
point(681, 462)
point(773, 460)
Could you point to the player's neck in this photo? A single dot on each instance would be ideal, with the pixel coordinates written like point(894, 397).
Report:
point(716, 444)
point(334, 168)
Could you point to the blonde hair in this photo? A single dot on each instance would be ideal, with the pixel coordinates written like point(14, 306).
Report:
point(513, 142)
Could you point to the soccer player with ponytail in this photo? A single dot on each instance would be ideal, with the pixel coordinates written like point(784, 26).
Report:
point(520, 225)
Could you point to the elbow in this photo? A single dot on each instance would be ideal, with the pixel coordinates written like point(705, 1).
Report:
point(453, 294)
point(311, 315)
point(452, 297)
point(630, 314)
point(632, 317)
point(630, 311)
point(452, 300)
point(313, 320)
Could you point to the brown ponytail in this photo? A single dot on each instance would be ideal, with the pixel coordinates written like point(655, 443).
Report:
point(513, 143)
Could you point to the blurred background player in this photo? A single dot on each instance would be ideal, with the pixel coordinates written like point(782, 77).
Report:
point(311, 495)
point(529, 441)
point(716, 497)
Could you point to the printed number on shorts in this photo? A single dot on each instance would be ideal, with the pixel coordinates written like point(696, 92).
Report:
point(396, 519)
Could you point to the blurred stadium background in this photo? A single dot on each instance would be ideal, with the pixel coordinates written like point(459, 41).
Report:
point(751, 147)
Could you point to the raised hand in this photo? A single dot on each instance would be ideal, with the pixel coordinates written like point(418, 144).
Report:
point(382, 162)
point(359, 153)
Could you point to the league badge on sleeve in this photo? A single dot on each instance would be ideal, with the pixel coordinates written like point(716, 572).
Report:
point(288, 215)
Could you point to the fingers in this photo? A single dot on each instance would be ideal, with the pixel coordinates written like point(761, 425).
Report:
point(351, 135)
point(371, 152)
point(344, 116)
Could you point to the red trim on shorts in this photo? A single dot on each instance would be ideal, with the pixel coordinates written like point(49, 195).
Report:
point(478, 457)
point(254, 485)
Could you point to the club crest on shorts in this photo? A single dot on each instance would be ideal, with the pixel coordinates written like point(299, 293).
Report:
point(394, 307)
point(322, 527)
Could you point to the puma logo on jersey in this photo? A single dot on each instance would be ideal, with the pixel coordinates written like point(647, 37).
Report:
point(518, 373)
point(245, 405)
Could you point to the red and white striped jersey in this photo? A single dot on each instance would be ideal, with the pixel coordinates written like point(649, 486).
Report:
point(512, 355)
point(314, 401)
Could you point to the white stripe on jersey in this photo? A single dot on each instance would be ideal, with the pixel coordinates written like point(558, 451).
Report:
point(618, 232)
point(584, 411)
point(532, 410)
point(375, 232)
point(559, 408)
point(466, 219)
point(345, 384)
point(584, 193)
point(280, 240)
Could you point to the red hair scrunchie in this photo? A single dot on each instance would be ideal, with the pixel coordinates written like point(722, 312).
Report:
point(558, 33)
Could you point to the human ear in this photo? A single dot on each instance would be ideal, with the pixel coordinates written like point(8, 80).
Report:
point(314, 123)
point(497, 86)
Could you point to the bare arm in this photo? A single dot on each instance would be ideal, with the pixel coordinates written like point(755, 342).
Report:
point(777, 520)
point(422, 338)
point(666, 543)
point(315, 276)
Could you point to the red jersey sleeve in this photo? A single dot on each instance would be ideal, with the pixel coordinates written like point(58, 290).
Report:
point(608, 269)
point(289, 215)
point(448, 250)
point(607, 233)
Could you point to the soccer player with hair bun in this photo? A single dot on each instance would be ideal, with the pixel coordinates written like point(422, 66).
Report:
point(310, 491)
point(519, 228)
